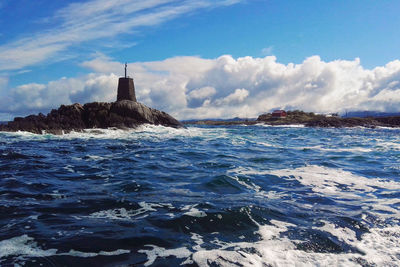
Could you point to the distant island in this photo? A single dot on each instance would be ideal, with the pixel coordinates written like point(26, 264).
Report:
point(308, 119)
point(125, 113)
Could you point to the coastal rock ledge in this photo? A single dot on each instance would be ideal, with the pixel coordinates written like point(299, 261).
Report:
point(122, 114)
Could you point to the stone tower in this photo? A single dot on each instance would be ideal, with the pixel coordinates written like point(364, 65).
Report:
point(126, 88)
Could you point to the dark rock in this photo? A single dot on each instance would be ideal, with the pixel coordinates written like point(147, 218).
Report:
point(392, 121)
point(122, 114)
point(293, 117)
point(95, 115)
point(345, 122)
point(137, 113)
point(264, 117)
point(315, 120)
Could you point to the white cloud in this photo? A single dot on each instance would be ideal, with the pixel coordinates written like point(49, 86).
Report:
point(235, 98)
point(34, 98)
point(202, 93)
point(193, 87)
point(94, 20)
point(200, 97)
point(103, 64)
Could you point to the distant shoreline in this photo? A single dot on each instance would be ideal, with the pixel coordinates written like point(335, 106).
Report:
point(308, 120)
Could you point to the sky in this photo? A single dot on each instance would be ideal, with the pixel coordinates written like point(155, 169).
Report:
point(199, 59)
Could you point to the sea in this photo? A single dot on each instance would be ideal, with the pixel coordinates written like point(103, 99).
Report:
point(201, 196)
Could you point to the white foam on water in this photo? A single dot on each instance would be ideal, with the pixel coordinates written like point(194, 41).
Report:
point(81, 254)
point(95, 157)
point(249, 185)
point(116, 214)
point(198, 240)
point(124, 214)
point(283, 126)
point(330, 182)
point(156, 252)
point(24, 135)
point(194, 212)
point(343, 234)
point(341, 185)
point(347, 149)
point(233, 174)
point(69, 168)
point(97, 134)
point(144, 131)
point(268, 144)
point(271, 249)
point(387, 128)
point(388, 145)
point(25, 247)
point(381, 247)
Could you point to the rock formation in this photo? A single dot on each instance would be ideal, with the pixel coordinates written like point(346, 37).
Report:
point(121, 114)
point(308, 119)
point(315, 120)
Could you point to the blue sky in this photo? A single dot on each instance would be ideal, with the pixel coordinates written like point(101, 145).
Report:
point(43, 43)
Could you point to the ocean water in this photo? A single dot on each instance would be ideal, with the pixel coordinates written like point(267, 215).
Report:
point(201, 196)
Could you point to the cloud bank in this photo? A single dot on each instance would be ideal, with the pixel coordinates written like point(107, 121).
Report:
point(225, 87)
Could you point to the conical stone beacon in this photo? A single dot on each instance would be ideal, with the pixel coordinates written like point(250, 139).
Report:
point(126, 88)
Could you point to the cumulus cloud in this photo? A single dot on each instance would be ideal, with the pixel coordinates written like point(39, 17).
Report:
point(235, 98)
point(225, 87)
point(197, 97)
point(34, 98)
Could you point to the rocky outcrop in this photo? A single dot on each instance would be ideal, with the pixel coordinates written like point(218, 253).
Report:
point(355, 122)
point(343, 122)
point(131, 111)
point(393, 121)
point(122, 114)
point(315, 120)
point(293, 117)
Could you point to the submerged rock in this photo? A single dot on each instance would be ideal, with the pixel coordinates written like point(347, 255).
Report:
point(122, 114)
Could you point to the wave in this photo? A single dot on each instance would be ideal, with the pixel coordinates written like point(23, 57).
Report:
point(373, 194)
point(145, 130)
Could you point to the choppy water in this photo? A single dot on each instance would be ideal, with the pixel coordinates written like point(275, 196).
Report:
point(206, 196)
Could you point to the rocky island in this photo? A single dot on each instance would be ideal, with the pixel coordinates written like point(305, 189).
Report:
point(125, 113)
point(308, 119)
